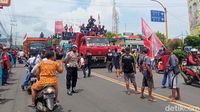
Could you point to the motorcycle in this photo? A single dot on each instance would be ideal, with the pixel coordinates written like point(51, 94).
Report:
point(45, 100)
point(188, 74)
point(31, 81)
point(20, 60)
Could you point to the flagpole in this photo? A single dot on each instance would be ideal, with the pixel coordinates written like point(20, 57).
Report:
point(166, 18)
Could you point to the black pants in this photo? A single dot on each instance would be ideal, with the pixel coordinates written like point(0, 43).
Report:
point(88, 66)
point(4, 76)
point(109, 66)
point(71, 77)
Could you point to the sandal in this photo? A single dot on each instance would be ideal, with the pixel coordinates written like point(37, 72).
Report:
point(142, 97)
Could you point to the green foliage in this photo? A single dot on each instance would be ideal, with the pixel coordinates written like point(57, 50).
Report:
point(193, 41)
point(162, 37)
point(110, 35)
point(175, 43)
point(180, 54)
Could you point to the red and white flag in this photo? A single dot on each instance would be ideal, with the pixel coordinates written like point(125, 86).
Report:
point(151, 41)
point(25, 36)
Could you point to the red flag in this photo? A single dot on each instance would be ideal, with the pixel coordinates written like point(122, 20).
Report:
point(59, 27)
point(154, 44)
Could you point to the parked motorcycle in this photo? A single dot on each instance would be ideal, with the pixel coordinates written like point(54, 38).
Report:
point(188, 74)
point(45, 100)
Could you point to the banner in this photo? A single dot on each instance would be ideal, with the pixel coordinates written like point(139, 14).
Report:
point(59, 28)
point(194, 16)
point(4, 2)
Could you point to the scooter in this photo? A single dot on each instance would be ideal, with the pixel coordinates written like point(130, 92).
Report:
point(45, 100)
point(188, 74)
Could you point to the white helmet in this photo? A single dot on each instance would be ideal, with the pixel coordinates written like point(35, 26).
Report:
point(194, 50)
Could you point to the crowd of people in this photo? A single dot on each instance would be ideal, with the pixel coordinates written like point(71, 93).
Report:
point(129, 60)
point(127, 63)
point(91, 27)
point(8, 61)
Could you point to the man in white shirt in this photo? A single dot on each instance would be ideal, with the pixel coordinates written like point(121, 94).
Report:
point(32, 61)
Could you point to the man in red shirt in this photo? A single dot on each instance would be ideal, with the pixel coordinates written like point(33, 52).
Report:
point(194, 61)
point(165, 59)
point(5, 66)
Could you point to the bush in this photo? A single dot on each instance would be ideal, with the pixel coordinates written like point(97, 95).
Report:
point(180, 54)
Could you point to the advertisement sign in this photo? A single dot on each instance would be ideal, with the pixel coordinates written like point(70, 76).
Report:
point(59, 28)
point(194, 16)
point(4, 2)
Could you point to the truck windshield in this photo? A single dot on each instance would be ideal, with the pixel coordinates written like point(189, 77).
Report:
point(97, 42)
point(37, 45)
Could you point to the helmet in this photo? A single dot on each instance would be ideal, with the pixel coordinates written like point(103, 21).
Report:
point(194, 50)
point(74, 46)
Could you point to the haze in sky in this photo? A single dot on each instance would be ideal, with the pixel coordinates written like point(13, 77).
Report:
point(35, 16)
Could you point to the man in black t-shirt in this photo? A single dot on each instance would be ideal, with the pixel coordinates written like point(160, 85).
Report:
point(109, 60)
point(88, 61)
point(129, 69)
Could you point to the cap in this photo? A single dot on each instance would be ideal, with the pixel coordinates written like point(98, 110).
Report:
point(74, 46)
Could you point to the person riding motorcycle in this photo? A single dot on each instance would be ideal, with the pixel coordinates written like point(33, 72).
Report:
point(193, 62)
point(46, 74)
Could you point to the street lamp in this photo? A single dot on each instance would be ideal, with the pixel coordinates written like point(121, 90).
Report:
point(166, 20)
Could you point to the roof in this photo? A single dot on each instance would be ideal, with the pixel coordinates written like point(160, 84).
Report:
point(133, 36)
point(36, 38)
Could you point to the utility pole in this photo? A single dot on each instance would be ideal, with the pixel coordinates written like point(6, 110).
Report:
point(11, 32)
point(115, 19)
point(166, 18)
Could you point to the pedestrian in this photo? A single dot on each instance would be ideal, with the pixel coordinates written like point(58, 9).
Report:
point(71, 63)
point(128, 67)
point(88, 61)
point(147, 75)
point(1, 54)
point(116, 62)
point(166, 76)
point(5, 66)
point(109, 59)
point(174, 71)
point(82, 65)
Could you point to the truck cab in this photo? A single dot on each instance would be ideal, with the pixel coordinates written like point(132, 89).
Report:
point(98, 46)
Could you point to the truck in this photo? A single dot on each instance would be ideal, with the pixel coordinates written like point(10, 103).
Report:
point(98, 46)
point(34, 44)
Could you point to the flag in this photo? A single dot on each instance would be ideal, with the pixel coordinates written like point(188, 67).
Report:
point(99, 19)
point(154, 44)
point(25, 37)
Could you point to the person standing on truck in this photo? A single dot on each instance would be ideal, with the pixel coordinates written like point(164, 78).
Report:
point(116, 60)
point(71, 63)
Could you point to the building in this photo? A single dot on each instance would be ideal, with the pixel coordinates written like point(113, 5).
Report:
point(194, 16)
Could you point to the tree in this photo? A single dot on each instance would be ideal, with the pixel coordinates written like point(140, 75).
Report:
point(193, 41)
point(162, 37)
point(110, 35)
point(175, 43)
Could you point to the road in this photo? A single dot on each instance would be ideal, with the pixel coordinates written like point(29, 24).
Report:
point(100, 93)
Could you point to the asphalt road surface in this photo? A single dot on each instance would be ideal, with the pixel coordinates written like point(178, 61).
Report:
point(102, 92)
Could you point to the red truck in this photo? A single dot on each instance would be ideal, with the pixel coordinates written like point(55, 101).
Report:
point(98, 46)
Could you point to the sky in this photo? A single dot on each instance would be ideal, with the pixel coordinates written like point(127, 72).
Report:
point(35, 16)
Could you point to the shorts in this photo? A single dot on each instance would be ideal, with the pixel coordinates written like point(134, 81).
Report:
point(129, 76)
point(117, 66)
point(174, 80)
point(147, 82)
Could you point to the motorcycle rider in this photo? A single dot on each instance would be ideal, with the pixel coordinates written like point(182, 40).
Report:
point(32, 61)
point(193, 61)
point(46, 74)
